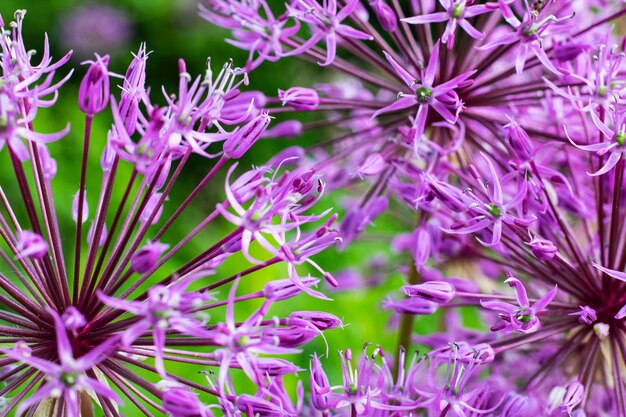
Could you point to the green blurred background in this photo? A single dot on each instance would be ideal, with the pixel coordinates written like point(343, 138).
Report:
point(172, 30)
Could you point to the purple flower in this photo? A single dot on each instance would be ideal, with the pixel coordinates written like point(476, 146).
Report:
point(83, 316)
point(543, 249)
point(89, 28)
point(441, 97)
point(326, 22)
point(300, 98)
point(527, 37)
point(93, 95)
point(523, 317)
point(12, 130)
point(166, 307)
point(145, 258)
point(385, 15)
point(31, 245)
point(255, 28)
point(243, 139)
point(519, 141)
point(586, 315)
point(436, 291)
point(457, 12)
point(181, 402)
point(80, 207)
point(494, 212)
point(616, 141)
point(67, 378)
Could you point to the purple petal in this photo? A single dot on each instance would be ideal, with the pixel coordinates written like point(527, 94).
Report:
point(64, 347)
point(427, 18)
point(331, 49)
point(440, 108)
point(407, 77)
point(420, 120)
point(497, 305)
point(433, 66)
point(402, 103)
point(471, 30)
point(350, 32)
point(41, 394)
point(612, 273)
point(543, 302)
point(75, 206)
point(610, 163)
point(101, 389)
point(520, 291)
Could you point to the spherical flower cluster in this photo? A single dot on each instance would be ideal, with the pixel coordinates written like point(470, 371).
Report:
point(491, 132)
point(494, 133)
point(108, 318)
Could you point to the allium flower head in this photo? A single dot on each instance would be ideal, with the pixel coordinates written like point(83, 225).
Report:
point(486, 131)
point(100, 323)
point(94, 28)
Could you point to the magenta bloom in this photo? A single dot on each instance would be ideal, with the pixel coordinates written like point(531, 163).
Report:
point(523, 317)
point(458, 158)
point(31, 245)
point(93, 95)
point(70, 376)
point(457, 12)
point(441, 97)
point(106, 318)
point(327, 22)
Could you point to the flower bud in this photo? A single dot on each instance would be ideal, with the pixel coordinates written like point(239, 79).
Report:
point(239, 107)
point(108, 154)
point(283, 289)
point(150, 208)
point(302, 99)
point(73, 319)
point(293, 336)
point(75, 207)
point(91, 235)
point(586, 315)
point(373, 165)
point(133, 90)
point(543, 249)
point(31, 245)
point(287, 156)
point(320, 386)
point(93, 94)
point(180, 402)
point(516, 406)
point(564, 52)
point(322, 321)
point(602, 330)
point(255, 406)
point(145, 258)
point(417, 306)
point(243, 139)
point(276, 367)
point(421, 247)
point(573, 396)
point(439, 292)
point(48, 164)
point(519, 141)
point(385, 15)
point(288, 129)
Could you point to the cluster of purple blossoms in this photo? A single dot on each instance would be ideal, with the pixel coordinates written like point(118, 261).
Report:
point(493, 131)
point(106, 320)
